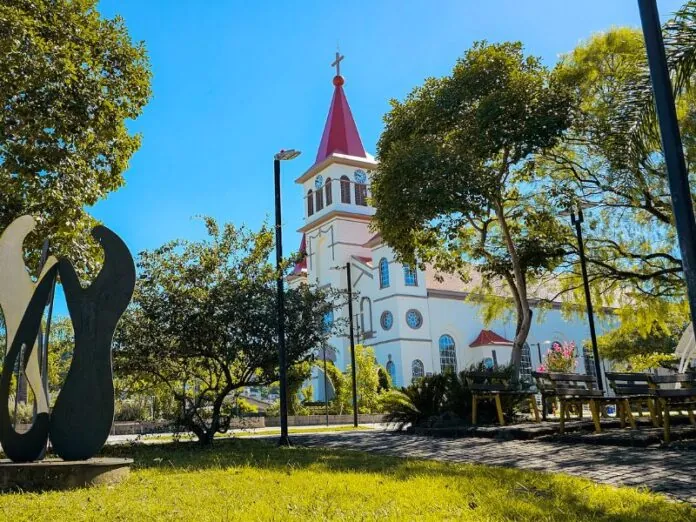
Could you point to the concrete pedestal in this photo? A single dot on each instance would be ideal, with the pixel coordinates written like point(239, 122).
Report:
point(54, 474)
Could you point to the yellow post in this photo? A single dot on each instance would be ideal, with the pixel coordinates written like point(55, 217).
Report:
point(594, 408)
point(499, 407)
point(629, 414)
point(533, 406)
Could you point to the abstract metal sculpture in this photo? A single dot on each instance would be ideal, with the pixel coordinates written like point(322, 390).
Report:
point(16, 289)
point(83, 413)
point(25, 447)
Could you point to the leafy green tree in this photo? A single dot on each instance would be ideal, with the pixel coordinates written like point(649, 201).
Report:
point(630, 237)
point(60, 350)
point(69, 82)
point(457, 183)
point(203, 323)
point(618, 175)
point(367, 379)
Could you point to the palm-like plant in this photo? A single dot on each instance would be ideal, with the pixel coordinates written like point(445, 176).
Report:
point(417, 403)
point(635, 115)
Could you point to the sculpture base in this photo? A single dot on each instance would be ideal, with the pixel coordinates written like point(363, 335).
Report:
point(54, 474)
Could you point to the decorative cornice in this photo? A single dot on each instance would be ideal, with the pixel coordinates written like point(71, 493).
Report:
point(334, 214)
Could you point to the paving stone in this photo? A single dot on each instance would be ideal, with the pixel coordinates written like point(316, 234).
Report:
point(669, 471)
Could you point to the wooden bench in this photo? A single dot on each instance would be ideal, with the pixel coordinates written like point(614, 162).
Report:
point(571, 389)
point(489, 386)
point(675, 390)
point(632, 389)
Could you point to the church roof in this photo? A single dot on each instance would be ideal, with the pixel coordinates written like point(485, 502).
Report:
point(489, 337)
point(340, 131)
point(374, 241)
point(301, 265)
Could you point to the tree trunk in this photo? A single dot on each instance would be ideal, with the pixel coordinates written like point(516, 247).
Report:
point(518, 284)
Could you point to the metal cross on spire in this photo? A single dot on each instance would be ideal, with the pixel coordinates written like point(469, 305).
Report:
point(337, 63)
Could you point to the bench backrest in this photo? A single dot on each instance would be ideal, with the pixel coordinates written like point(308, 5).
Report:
point(625, 383)
point(487, 381)
point(685, 380)
point(566, 384)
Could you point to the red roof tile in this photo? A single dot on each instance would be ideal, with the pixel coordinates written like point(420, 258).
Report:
point(488, 337)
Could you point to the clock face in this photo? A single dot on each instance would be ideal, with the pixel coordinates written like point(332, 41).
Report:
point(360, 176)
point(318, 182)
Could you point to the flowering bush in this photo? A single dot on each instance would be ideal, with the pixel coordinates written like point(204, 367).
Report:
point(560, 358)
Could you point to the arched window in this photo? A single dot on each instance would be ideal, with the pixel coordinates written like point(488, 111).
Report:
point(448, 354)
point(345, 189)
point(329, 194)
point(366, 315)
point(361, 194)
point(417, 370)
point(310, 203)
point(410, 276)
point(383, 273)
point(391, 370)
point(319, 197)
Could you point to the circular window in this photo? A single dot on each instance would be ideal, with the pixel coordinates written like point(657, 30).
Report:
point(414, 319)
point(318, 182)
point(386, 320)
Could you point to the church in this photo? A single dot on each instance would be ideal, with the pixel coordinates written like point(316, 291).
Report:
point(418, 322)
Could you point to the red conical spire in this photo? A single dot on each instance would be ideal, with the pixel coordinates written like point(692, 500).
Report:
point(340, 132)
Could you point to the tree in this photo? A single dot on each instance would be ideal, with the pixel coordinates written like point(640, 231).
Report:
point(618, 175)
point(69, 81)
point(367, 379)
point(631, 239)
point(636, 110)
point(457, 184)
point(203, 323)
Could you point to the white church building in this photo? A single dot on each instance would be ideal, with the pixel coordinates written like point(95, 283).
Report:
point(417, 323)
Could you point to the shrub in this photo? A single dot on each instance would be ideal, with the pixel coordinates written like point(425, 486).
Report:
point(132, 410)
point(416, 403)
point(446, 399)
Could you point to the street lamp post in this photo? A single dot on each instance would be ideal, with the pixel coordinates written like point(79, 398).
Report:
point(677, 174)
point(352, 346)
point(280, 303)
point(577, 220)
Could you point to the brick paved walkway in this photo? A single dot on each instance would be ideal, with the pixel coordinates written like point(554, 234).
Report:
point(670, 471)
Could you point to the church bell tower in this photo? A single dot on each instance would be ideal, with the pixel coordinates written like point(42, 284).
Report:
point(336, 189)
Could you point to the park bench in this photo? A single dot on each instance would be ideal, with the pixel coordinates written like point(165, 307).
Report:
point(670, 391)
point(632, 389)
point(571, 389)
point(491, 386)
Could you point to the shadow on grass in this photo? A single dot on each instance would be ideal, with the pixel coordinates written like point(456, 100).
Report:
point(559, 496)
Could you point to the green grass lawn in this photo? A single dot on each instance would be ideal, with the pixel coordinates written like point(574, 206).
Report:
point(251, 479)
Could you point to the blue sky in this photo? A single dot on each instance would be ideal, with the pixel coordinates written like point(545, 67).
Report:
point(235, 81)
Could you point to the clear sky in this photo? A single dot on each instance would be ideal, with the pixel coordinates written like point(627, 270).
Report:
point(235, 81)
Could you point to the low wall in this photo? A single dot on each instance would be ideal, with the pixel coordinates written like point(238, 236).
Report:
point(318, 420)
point(145, 427)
